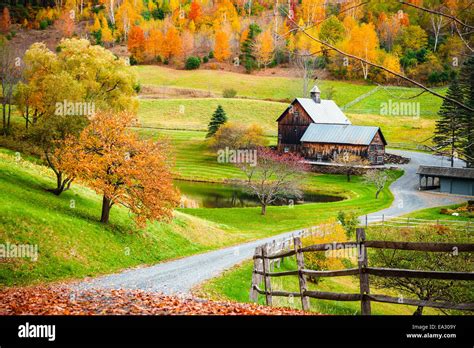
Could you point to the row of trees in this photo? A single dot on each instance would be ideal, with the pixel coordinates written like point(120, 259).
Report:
point(424, 45)
point(78, 106)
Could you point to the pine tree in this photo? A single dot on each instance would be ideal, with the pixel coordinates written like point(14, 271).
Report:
point(448, 133)
point(218, 119)
point(466, 82)
point(248, 55)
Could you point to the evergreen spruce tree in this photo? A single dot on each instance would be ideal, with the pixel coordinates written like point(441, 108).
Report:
point(448, 133)
point(218, 118)
point(248, 57)
point(466, 82)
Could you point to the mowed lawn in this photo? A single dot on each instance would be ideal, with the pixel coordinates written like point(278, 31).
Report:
point(193, 161)
point(71, 241)
point(194, 114)
point(286, 89)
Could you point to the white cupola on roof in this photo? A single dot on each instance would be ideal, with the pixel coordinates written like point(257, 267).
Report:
point(316, 94)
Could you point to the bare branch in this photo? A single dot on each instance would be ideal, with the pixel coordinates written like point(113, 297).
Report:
point(416, 83)
point(454, 18)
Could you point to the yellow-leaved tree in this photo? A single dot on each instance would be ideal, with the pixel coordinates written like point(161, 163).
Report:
point(264, 48)
point(363, 42)
point(222, 47)
point(327, 233)
point(60, 91)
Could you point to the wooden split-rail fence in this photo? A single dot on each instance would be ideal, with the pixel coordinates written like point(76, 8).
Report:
point(393, 221)
point(263, 272)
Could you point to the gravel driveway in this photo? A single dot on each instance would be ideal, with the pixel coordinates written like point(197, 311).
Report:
point(405, 189)
point(180, 276)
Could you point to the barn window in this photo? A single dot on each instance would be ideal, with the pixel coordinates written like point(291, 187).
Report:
point(371, 158)
point(286, 149)
point(380, 147)
point(319, 157)
point(379, 159)
point(372, 148)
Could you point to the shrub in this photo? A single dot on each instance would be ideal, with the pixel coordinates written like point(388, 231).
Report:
point(137, 87)
point(327, 233)
point(211, 55)
point(205, 59)
point(133, 60)
point(193, 63)
point(43, 24)
point(229, 93)
point(238, 136)
point(349, 222)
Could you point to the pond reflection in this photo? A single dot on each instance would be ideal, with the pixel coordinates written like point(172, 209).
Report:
point(211, 195)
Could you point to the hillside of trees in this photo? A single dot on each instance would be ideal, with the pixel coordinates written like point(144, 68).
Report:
point(426, 40)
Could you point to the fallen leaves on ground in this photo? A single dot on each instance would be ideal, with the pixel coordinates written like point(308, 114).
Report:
point(63, 300)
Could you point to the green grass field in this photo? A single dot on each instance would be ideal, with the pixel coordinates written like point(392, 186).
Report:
point(435, 214)
point(194, 162)
point(284, 88)
point(73, 244)
point(71, 241)
point(194, 114)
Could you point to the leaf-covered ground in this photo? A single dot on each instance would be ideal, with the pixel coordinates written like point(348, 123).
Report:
point(62, 300)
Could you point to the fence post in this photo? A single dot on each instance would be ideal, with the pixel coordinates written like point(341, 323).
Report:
point(301, 276)
point(364, 277)
point(256, 278)
point(266, 278)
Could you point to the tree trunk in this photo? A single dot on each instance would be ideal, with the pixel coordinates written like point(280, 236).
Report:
point(377, 194)
point(106, 205)
point(419, 310)
point(264, 209)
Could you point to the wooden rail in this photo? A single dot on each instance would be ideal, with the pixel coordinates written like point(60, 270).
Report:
point(410, 222)
point(262, 260)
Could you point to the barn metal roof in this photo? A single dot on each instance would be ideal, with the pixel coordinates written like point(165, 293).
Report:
point(326, 111)
point(339, 134)
point(463, 173)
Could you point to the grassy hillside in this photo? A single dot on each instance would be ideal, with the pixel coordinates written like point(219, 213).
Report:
point(284, 88)
point(194, 114)
point(73, 244)
point(71, 241)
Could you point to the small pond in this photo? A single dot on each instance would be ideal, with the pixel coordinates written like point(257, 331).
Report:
point(210, 195)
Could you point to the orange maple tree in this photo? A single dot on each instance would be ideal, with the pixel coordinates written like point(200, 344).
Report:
point(5, 21)
point(172, 46)
point(154, 43)
point(65, 24)
point(136, 43)
point(222, 48)
point(125, 170)
point(195, 12)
